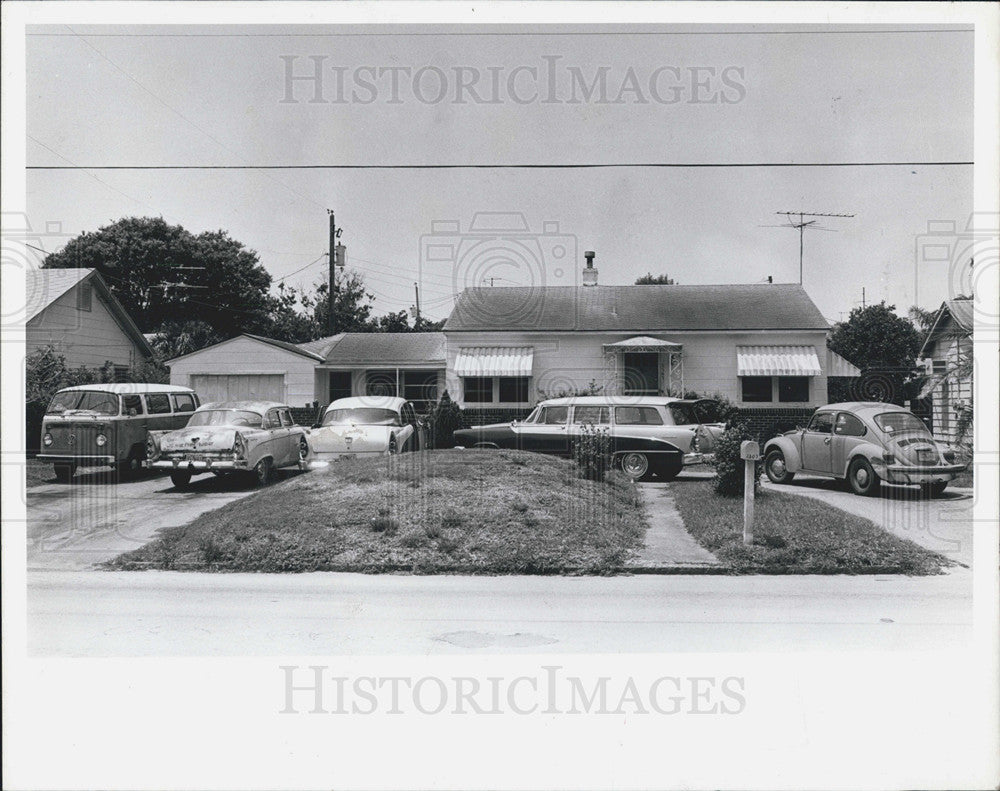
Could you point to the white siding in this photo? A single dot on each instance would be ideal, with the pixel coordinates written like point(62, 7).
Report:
point(88, 338)
point(572, 360)
point(951, 347)
point(247, 356)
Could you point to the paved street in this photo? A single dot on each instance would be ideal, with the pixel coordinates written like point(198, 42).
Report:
point(73, 526)
point(184, 614)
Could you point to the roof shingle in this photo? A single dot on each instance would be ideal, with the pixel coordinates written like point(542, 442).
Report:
point(636, 308)
point(387, 348)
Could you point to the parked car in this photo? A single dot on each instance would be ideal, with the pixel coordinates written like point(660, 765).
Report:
point(864, 443)
point(106, 424)
point(365, 426)
point(224, 437)
point(650, 435)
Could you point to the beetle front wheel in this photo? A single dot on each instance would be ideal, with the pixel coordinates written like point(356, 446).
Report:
point(777, 468)
point(862, 478)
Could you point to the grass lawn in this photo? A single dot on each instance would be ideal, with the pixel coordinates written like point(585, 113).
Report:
point(468, 511)
point(797, 535)
point(37, 473)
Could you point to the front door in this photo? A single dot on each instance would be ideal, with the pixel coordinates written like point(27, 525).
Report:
point(548, 434)
point(817, 447)
point(848, 433)
point(642, 373)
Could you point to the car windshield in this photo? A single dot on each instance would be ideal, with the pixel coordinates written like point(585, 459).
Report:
point(363, 416)
point(897, 422)
point(226, 417)
point(683, 414)
point(84, 400)
point(533, 416)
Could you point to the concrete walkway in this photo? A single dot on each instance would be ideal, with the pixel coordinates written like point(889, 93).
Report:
point(668, 546)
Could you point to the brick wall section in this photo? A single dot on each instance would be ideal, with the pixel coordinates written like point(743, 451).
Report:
point(768, 422)
point(304, 416)
point(484, 416)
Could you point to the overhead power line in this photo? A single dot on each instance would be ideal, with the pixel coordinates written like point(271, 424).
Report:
point(519, 166)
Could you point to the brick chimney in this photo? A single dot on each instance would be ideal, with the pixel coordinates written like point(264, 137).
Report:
point(589, 273)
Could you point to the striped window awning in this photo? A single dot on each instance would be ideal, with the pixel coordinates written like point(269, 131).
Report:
point(494, 361)
point(777, 361)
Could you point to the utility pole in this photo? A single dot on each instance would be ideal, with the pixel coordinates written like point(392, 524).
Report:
point(863, 303)
point(332, 287)
point(802, 224)
point(416, 293)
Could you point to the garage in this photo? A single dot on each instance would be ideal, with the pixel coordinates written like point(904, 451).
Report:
point(239, 387)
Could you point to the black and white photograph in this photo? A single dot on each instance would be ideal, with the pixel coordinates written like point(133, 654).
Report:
point(508, 395)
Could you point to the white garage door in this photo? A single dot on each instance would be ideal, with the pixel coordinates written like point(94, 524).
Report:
point(239, 387)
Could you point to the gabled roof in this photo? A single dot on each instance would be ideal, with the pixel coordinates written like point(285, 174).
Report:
point(288, 347)
point(960, 311)
point(387, 348)
point(45, 286)
point(636, 308)
point(321, 346)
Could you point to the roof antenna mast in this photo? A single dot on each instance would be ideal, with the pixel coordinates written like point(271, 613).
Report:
point(802, 224)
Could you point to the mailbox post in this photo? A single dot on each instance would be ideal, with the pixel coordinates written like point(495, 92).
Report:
point(750, 453)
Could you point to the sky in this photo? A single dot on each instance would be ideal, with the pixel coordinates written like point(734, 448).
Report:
point(742, 108)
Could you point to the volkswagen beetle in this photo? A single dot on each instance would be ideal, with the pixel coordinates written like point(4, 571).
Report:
point(223, 437)
point(863, 443)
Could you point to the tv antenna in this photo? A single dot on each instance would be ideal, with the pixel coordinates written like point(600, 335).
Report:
point(802, 224)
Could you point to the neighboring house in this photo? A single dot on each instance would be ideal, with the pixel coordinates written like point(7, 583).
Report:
point(947, 355)
point(74, 311)
point(410, 365)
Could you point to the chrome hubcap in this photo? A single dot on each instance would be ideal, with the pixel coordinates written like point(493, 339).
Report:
point(778, 467)
point(635, 465)
point(861, 476)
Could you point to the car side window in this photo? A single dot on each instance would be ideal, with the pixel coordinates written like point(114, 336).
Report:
point(595, 415)
point(183, 402)
point(638, 416)
point(286, 418)
point(158, 403)
point(271, 419)
point(821, 423)
point(554, 415)
point(849, 425)
point(130, 402)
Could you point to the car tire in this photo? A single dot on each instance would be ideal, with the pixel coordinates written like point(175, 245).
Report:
point(129, 468)
point(180, 478)
point(263, 473)
point(636, 466)
point(669, 470)
point(776, 467)
point(64, 472)
point(935, 489)
point(862, 479)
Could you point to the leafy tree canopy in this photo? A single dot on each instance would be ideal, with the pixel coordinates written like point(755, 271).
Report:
point(875, 337)
point(649, 279)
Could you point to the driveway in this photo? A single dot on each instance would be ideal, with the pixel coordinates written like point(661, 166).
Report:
point(73, 526)
point(942, 525)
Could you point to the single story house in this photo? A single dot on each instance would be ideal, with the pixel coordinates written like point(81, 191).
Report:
point(74, 311)
point(947, 355)
point(503, 349)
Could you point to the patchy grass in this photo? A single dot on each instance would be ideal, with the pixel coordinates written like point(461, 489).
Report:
point(797, 535)
point(37, 473)
point(468, 511)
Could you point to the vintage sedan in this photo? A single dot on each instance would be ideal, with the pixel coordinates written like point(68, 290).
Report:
point(249, 437)
point(365, 426)
point(864, 443)
point(650, 435)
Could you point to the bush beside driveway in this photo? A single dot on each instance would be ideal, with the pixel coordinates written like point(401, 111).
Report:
point(460, 511)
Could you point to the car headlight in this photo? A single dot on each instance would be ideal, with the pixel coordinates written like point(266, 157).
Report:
point(47, 439)
point(101, 440)
point(949, 455)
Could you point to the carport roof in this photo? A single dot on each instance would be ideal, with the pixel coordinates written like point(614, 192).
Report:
point(387, 348)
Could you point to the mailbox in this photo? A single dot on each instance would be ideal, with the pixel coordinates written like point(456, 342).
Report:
point(750, 450)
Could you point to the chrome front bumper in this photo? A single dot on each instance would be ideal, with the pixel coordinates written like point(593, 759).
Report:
point(89, 460)
point(902, 473)
point(205, 464)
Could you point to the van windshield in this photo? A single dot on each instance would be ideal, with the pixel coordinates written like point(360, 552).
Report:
point(83, 401)
point(226, 417)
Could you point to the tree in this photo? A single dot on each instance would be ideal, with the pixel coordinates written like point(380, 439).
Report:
point(176, 338)
point(884, 346)
point(164, 273)
point(649, 279)
point(922, 319)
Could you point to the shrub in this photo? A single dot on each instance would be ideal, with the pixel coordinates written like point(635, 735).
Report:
point(592, 452)
point(385, 524)
point(567, 392)
point(722, 411)
point(728, 465)
point(444, 420)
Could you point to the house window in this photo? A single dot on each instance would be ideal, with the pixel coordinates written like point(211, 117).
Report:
point(420, 387)
point(513, 389)
point(85, 297)
point(756, 388)
point(793, 389)
point(339, 383)
point(478, 389)
point(380, 383)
